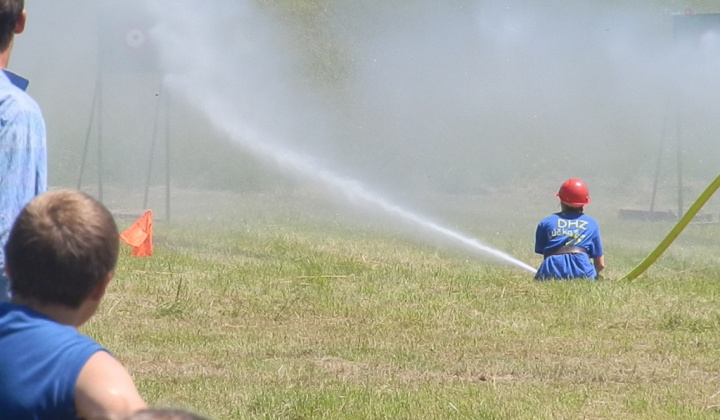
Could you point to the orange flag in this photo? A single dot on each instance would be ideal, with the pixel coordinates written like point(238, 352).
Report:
point(139, 236)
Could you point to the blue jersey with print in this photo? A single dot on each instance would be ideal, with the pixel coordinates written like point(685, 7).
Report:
point(40, 361)
point(568, 229)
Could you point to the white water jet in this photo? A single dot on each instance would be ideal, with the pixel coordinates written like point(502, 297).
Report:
point(221, 117)
point(225, 61)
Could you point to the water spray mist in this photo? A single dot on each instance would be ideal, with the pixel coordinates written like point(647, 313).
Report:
point(260, 145)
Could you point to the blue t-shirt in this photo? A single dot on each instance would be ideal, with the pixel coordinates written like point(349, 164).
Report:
point(23, 159)
point(40, 361)
point(568, 229)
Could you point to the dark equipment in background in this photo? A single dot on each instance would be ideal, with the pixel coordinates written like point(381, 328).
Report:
point(690, 30)
point(125, 46)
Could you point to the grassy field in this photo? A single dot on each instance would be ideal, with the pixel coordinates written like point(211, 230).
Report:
point(286, 307)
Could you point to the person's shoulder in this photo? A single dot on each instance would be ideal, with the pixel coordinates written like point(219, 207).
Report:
point(589, 219)
point(551, 217)
point(21, 314)
point(14, 99)
point(20, 319)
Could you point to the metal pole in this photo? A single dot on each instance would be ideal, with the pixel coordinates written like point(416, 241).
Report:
point(167, 158)
point(87, 134)
point(152, 148)
point(679, 164)
point(100, 140)
point(659, 159)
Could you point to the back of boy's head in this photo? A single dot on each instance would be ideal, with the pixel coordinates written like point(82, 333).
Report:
point(61, 246)
point(10, 11)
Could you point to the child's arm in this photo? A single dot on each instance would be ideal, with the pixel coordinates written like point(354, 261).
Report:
point(105, 389)
point(599, 263)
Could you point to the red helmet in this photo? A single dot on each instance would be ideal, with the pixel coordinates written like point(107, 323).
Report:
point(574, 193)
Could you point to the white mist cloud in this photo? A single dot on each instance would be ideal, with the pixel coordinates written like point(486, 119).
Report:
point(420, 96)
point(217, 89)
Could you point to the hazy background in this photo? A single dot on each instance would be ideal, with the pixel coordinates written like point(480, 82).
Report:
point(413, 99)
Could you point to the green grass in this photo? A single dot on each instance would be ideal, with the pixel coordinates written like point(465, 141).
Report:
point(283, 308)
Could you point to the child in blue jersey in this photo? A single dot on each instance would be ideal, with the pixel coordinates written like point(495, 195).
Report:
point(60, 257)
point(569, 240)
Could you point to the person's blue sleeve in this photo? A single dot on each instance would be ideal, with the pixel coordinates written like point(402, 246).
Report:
point(23, 158)
point(540, 239)
point(597, 245)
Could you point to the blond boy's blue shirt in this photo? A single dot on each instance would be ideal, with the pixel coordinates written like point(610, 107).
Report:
point(23, 157)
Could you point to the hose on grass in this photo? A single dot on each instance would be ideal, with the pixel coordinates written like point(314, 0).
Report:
point(674, 232)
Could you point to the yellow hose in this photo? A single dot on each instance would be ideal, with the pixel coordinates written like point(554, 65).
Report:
point(675, 231)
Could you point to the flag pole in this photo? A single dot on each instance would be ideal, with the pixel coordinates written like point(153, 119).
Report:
point(152, 145)
point(89, 130)
point(166, 101)
point(100, 139)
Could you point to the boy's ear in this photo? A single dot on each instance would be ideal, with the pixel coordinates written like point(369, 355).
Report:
point(99, 291)
point(20, 25)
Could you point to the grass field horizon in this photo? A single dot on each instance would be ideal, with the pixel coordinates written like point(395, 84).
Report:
point(287, 306)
